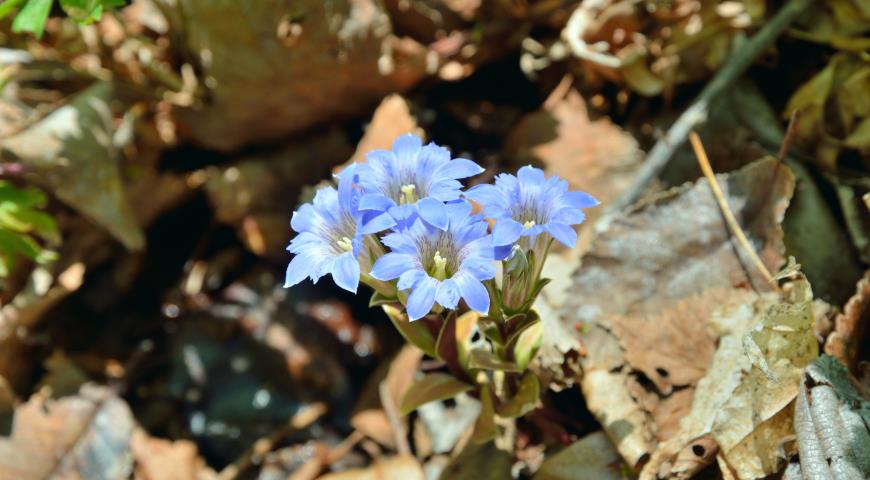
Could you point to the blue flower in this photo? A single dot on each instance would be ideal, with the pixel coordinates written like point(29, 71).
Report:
point(412, 179)
point(441, 265)
point(529, 204)
point(332, 238)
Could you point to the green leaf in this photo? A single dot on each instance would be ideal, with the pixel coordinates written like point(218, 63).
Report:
point(416, 333)
point(432, 387)
point(485, 360)
point(83, 11)
point(485, 428)
point(379, 299)
point(32, 17)
point(24, 197)
point(526, 398)
point(12, 244)
point(8, 7)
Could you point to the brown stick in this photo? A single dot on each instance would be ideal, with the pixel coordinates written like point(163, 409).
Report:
point(696, 114)
point(732, 222)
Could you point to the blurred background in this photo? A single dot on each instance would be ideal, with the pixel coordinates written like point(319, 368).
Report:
point(152, 151)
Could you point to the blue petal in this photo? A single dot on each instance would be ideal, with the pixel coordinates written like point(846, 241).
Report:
point(345, 187)
point(472, 291)
point(422, 298)
point(345, 272)
point(479, 268)
point(445, 190)
point(410, 278)
point(378, 224)
point(531, 176)
point(392, 265)
point(376, 201)
point(488, 196)
point(447, 294)
point(502, 252)
point(406, 148)
point(431, 158)
point(458, 213)
point(400, 243)
point(568, 216)
point(299, 268)
point(458, 168)
point(579, 199)
point(305, 219)
point(506, 231)
point(434, 212)
point(563, 233)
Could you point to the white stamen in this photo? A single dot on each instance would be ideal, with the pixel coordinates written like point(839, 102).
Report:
point(409, 194)
point(440, 266)
point(345, 244)
point(529, 224)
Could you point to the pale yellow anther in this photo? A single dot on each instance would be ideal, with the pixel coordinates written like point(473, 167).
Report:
point(440, 266)
point(409, 194)
point(529, 224)
point(345, 244)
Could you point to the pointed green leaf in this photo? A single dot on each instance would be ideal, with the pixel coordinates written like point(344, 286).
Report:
point(486, 360)
point(485, 428)
point(32, 17)
point(379, 299)
point(415, 333)
point(432, 387)
point(526, 398)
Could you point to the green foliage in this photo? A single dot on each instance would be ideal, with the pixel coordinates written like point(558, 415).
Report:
point(22, 224)
point(434, 386)
point(34, 13)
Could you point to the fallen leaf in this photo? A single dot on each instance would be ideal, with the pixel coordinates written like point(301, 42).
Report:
point(161, 459)
point(249, 59)
point(83, 436)
point(850, 327)
point(432, 387)
point(479, 462)
point(391, 119)
point(670, 257)
point(395, 468)
point(590, 458)
point(70, 153)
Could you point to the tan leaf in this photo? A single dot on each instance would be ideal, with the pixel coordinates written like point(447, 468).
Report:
point(590, 458)
point(851, 326)
point(395, 468)
point(80, 437)
point(391, 119)
point(161, 459)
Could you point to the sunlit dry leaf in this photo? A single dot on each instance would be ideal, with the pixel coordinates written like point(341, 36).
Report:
point(656, 262)
point(70, 152)
point(79, 437)
point(391, 119)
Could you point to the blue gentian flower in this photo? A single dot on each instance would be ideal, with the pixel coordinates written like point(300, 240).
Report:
point(411, 180)
point(331, 237)
point(441, 265)
point(529, 204)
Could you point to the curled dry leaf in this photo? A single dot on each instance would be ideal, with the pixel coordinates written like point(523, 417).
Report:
point(673, 259)
point(84, 436)
point(850, 327)
point(391, 119)
point(70, 153)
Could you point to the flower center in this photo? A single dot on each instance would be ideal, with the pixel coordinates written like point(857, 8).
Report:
point(345, 244)
point(529, 224)
point(440, 264)
point(409, 194)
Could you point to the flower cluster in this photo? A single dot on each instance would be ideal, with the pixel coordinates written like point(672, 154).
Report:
point(401, 223)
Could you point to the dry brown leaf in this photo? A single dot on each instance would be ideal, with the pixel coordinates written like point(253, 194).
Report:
point(654, 263)
point(590, 458)
point(80, 437)
point(391, 119)
point(370, 417)
point(395, 468)
point(161, 459)
point(850, 327)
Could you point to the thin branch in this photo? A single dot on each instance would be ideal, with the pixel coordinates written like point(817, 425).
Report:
point(789, 136)
point(696, 114)
point(395, 419)
point(732, 222)
point(304, 418)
